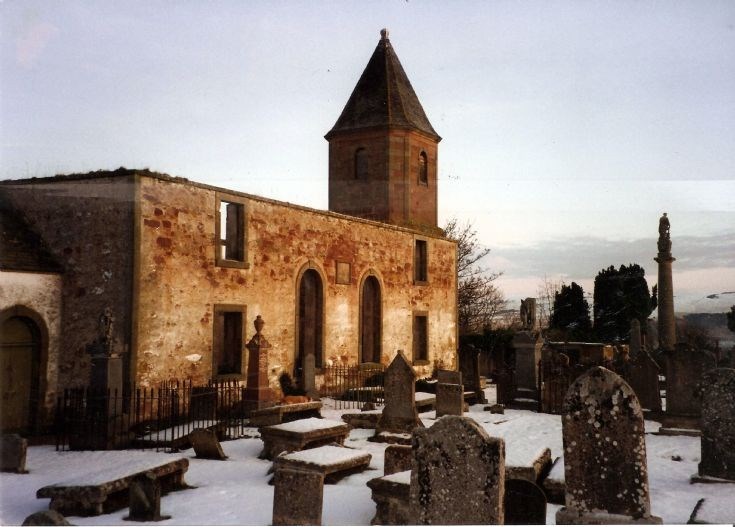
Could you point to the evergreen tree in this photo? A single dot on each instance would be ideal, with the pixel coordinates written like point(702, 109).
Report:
point(571, 313)
point(620, 295)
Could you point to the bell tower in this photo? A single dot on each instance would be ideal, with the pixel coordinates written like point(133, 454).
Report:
point(383, 149)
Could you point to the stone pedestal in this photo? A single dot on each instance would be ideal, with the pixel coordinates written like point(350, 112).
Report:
point(258, 393)
point(106, 375)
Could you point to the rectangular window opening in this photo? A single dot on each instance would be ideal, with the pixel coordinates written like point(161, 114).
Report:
point(230, 232)
point(420, 338)
point(228, 340)
point(420, 262)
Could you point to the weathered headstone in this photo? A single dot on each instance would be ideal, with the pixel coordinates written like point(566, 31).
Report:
point(297, 497)
point(258, 393)
point(684, 369)
point(643, 378)
point(604, 452)
point(449, 377)
point(399, 414)
point(397, 459)
point(458, 474)
point(449, 399)
point(13, 449)
point(49, 517)
point(145, 498)
point(469, 365)
point(718, 425)
point(206, 445)
point(525, 503)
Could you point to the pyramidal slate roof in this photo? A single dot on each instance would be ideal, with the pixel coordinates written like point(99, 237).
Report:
point(383, 97)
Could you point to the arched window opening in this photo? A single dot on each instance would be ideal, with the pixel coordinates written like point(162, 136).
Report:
point(370, 313)
point(311, 313)
point(423, 169)
point(361, 164)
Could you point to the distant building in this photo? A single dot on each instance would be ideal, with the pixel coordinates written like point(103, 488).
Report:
point(184, 268)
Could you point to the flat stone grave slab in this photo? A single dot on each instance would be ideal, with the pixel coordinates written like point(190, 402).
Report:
point(713, 511)
point(300, 435)
point(282, 413)
point(391, 496)
point(334, 462)
point(425, 401)
point(367, 419)
point(527, 467)
point(107, 490)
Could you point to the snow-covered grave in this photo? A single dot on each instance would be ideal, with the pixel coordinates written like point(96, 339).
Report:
point(236, 491)
point(333, 461)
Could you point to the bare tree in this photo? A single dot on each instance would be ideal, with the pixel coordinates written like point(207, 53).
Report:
point(545, 304)
point(478, 298)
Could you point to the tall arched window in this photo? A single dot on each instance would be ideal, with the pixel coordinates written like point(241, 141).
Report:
point(361, 164)
point(423, 169)
point(370, 315)
point(311, 317)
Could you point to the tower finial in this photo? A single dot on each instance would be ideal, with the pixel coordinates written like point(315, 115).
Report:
point(384, 34)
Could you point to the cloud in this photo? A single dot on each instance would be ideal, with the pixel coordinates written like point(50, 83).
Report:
point(30, 45)
point(585, 256)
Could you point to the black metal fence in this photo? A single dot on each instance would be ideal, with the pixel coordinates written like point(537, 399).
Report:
point(351, 386)
point(160, 418)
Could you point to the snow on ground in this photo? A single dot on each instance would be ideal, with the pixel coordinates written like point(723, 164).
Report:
point(236, 491)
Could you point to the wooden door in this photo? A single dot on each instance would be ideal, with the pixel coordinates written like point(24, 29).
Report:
point(370, 313)
point(310, 321)
point(19, 358)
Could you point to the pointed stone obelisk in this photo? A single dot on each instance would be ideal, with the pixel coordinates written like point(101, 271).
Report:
point(666, 322)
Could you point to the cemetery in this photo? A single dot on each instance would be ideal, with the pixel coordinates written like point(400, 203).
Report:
point(600, 462)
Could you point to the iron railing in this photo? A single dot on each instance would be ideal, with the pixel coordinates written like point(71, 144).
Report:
point(352, 386)
point(160, 418)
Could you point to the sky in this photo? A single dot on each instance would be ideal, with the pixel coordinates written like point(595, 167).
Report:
point(568, 127)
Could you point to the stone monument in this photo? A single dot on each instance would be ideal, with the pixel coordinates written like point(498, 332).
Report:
point(458, 474)
point(604, 453)
point(666, 322)
point(399, 417)
point(718, 427)
point(258, 393)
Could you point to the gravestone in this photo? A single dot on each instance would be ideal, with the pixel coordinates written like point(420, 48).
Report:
point(449, 393)
point(718, 425)
point(206, 445)
point(635, 338)
point(13, 449)
point(145, 499)
point(399, 414)
point(643, 378)
point(298, 497)
point(458, 474)
point(397, 459)
point(449, 399)
point(525, 503)
point(449, 377)
point(49, 517)
point(469, 365)
point(604, 452)
point(684, 369)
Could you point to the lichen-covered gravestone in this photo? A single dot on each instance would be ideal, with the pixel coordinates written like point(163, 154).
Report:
point(458, 474)
point(298, 497)
point(604, 453)
point(718, 425)
point(399, 415)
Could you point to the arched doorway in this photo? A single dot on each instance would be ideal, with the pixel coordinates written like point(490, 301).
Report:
point(370, 318)
point(310, 321)
point(20, 353)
